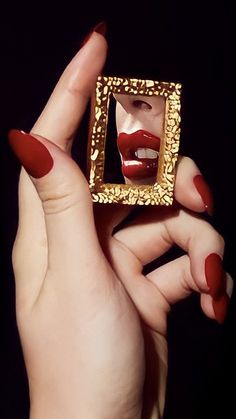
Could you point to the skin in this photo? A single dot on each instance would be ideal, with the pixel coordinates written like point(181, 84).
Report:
point(90, 323)
point(135, 112)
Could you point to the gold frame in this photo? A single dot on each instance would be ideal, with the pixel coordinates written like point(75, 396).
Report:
point(161, 192)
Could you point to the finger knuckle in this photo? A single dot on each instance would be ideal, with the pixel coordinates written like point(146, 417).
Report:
point(63, 197)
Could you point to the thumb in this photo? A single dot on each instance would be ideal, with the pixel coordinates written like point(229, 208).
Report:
point(65, 197)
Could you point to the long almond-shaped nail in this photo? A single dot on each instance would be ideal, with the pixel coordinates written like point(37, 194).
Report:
point(215, 275)
point(220, 308)
point(32, 154)
point(205, 193)
point(101, 28)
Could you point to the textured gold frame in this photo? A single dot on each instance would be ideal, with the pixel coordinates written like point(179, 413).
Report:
point(161, 192)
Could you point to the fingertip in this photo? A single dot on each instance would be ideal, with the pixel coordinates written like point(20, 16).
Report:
point(81, 73)
point(221, 307)
point(100, 28)
point(204, 192)
point(216, 309)
point(191, 190)
point(33, 155)
point(97, 34)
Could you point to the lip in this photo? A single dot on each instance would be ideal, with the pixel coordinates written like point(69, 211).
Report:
point(133, 167)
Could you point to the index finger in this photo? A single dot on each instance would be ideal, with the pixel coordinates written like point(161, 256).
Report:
point(58, 122)
point(66, 105)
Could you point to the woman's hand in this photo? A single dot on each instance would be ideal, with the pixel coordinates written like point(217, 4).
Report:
point(81, 336)
point(148, 236)
point(79, 290)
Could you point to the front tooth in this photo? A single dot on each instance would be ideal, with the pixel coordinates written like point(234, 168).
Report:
point(151, 154)
point(141, 153)
point(146, 153)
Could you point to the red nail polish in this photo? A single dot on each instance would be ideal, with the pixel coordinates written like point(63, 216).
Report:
point(99, 28)
point(220, 308)
point(215, 275)
point(33, 155)
point(205, 192)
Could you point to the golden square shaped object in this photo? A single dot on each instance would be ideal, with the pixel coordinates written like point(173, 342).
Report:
point(159, 193)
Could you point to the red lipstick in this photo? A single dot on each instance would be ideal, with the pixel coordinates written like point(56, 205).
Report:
point(139, 151)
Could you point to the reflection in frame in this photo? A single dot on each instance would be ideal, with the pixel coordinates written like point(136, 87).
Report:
point(160, 190)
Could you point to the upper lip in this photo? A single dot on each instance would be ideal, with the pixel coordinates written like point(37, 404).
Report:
point(129, 143)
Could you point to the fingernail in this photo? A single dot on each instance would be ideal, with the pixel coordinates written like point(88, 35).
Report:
point(215, 275)
point(205, 192)
point(32, 154)
point(101, 28)
point(220, 308)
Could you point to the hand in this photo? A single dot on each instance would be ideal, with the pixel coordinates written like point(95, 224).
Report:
point(80, 333)
point(148, 236)
point(81, 336)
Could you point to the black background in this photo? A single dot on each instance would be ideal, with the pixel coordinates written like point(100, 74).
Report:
point(189, 42)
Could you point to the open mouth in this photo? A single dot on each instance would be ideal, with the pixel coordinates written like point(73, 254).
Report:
point(139, 153)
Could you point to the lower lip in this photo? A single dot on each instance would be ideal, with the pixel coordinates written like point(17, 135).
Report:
point(135, 168)
point(139, 169)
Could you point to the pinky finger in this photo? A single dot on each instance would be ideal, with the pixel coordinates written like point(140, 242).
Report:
point(175, 282)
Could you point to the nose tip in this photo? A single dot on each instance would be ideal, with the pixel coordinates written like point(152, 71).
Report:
point(134, 112)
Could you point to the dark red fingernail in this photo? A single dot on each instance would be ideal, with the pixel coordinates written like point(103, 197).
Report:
point(33, 155)
point(101, 28)
point(215, 275)
point(220, 308)
point(205, 192)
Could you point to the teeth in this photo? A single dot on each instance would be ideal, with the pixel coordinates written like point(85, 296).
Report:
point(146, 153)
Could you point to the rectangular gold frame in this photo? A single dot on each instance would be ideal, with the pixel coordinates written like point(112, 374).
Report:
point(161, 192)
